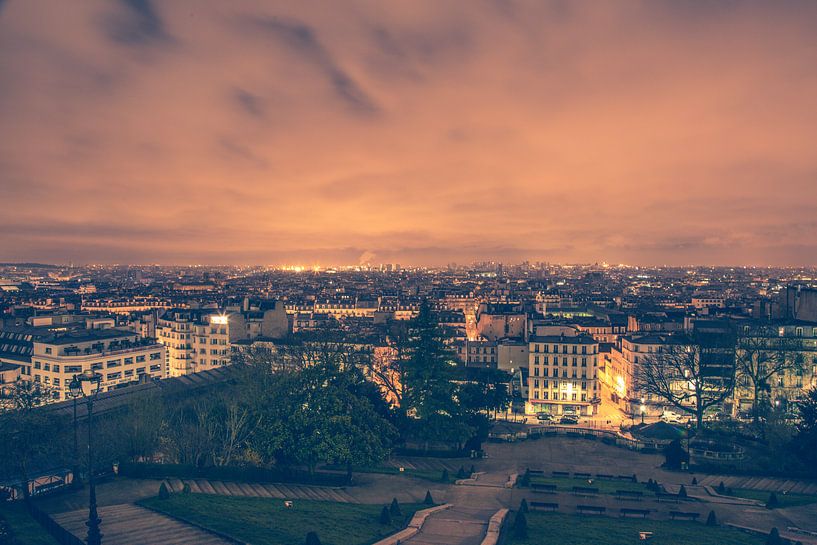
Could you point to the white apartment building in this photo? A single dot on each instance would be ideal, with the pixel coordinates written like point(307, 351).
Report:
point(562, 372)
point(196, 340)
point(121, 357)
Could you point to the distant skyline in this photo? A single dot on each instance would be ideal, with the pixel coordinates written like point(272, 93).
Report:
point(416, 132)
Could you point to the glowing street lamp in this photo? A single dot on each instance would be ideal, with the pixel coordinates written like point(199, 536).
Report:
point(88, 385)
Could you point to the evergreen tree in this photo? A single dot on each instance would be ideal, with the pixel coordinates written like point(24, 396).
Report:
point(712, 519)
point(520, 526)
point(772, 502)
point(694, 481)
point(164, 493)
point(774, 537)
point(525, 480)
point(805, 442)
point(395, 508)
point(186, 488)
point(385, 516)
point(721, 489)
point(461, 473)
point(444, 477)
point(428, 500)
point(312, 539)
point(523, 506)
point(682, 493)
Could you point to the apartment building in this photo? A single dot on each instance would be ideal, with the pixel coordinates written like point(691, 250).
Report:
point(197, 340)
point(121, 357)
point(562, 371)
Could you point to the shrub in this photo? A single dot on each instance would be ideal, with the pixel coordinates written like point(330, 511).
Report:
point(461, 473)
point(711, 519)
point(721, 489)
point(471, 471)
point(520, 526)
point(312, 539)
point(385, 517)
point(186, 488)
point(428, 499)
point(523, 506)
point(444, 477)
point(164, 493)
point(525, 480)
point(694, 481)
point(774, 537)
point(394, 509)
point(682, 493)
point(772, 502)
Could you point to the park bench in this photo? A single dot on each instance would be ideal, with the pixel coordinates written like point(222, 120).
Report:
point(664, 496)
point(537, 487)
point(581, 475)
point(627, 512)
point(604, 476)
point(625, 477)
point(674, 515)
point(585, 491)
point(629, 494)
point(536, 471)
point(561, 474)
point(590, 509)
point(545, 506)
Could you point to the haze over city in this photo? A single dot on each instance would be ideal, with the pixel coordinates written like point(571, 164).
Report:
point(411, 132)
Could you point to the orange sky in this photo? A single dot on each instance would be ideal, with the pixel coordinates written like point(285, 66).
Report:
point(416, 131)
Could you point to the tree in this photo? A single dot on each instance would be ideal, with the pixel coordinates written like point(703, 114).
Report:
point(693, 374)
point(143, 425)
point(772, 502)
point(312, 539)
point(761, 355)
point(805, 440)
point(520, 525)
point(682, 492)
point(774, 537)
point(164, 493)
point(385, 516)
point(525, 480)
point(712, 519)
point(428, 499)
point(394, 509)
point(523, 506)
point(675, 455)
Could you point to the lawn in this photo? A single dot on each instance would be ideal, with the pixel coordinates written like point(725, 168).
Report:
point(577, 530)
point(566, 484)
point(264, 521)
point(428, 475)
point(24, 528)
point(783, 500)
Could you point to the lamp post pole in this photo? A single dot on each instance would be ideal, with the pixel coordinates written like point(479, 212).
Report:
point(94, 536)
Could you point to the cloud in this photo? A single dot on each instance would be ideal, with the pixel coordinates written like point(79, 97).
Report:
point(648, 132)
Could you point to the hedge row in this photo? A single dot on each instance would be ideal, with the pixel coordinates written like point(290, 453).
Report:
point(230, 473)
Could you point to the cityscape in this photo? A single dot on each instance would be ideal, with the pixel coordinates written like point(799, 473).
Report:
point(474, 272)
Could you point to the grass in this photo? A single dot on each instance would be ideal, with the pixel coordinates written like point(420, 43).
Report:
point(605, 486)
point(24, 528)
point(263, 521)
point(577, 530)
point(428, 475)
point(783, 500)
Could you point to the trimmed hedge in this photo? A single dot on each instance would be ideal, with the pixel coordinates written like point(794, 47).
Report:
point(229, 473)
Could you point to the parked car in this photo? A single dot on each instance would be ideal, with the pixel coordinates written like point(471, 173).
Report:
point(544, 417)
point(673, 417)
point(569, 420)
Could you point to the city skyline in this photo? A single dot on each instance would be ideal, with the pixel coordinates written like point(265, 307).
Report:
point(647, 133)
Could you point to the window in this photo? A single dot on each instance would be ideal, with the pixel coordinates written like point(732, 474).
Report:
point(73, 369)
point(128, 361)
point(48, 350)
point(128, 372)
point(155, 368)
point(114, 376)
point(47, 367)
point(56, 382)
point(140, 359)
point(56, 368)
point(114, 363)
point(37, 365)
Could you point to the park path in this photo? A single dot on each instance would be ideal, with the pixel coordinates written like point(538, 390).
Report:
point(769, 484)
point(456, 526)
point(130, 524)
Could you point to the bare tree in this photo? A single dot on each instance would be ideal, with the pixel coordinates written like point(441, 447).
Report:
point(693, 375)
point(762, 353)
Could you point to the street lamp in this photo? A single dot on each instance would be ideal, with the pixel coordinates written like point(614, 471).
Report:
point(87, 385)
point(74, 391)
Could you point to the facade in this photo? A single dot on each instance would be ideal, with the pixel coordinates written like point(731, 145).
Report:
point(196, 340)
point(562, 372)
point(121, 357)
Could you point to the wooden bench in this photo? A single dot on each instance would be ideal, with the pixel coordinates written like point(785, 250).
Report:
point(605, 476)
point(628, 512)
point(548, 488)
point(625, 477)
point(585, 491)
point(663, 496)
point(629, 494)
point(544, 506)
point(581, 475)
point(560, 473)
point(591, 509)
point(674, 515)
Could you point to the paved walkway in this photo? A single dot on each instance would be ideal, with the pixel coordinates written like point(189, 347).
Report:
point(129, 524)
point(455, 526)
point(769, 484)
